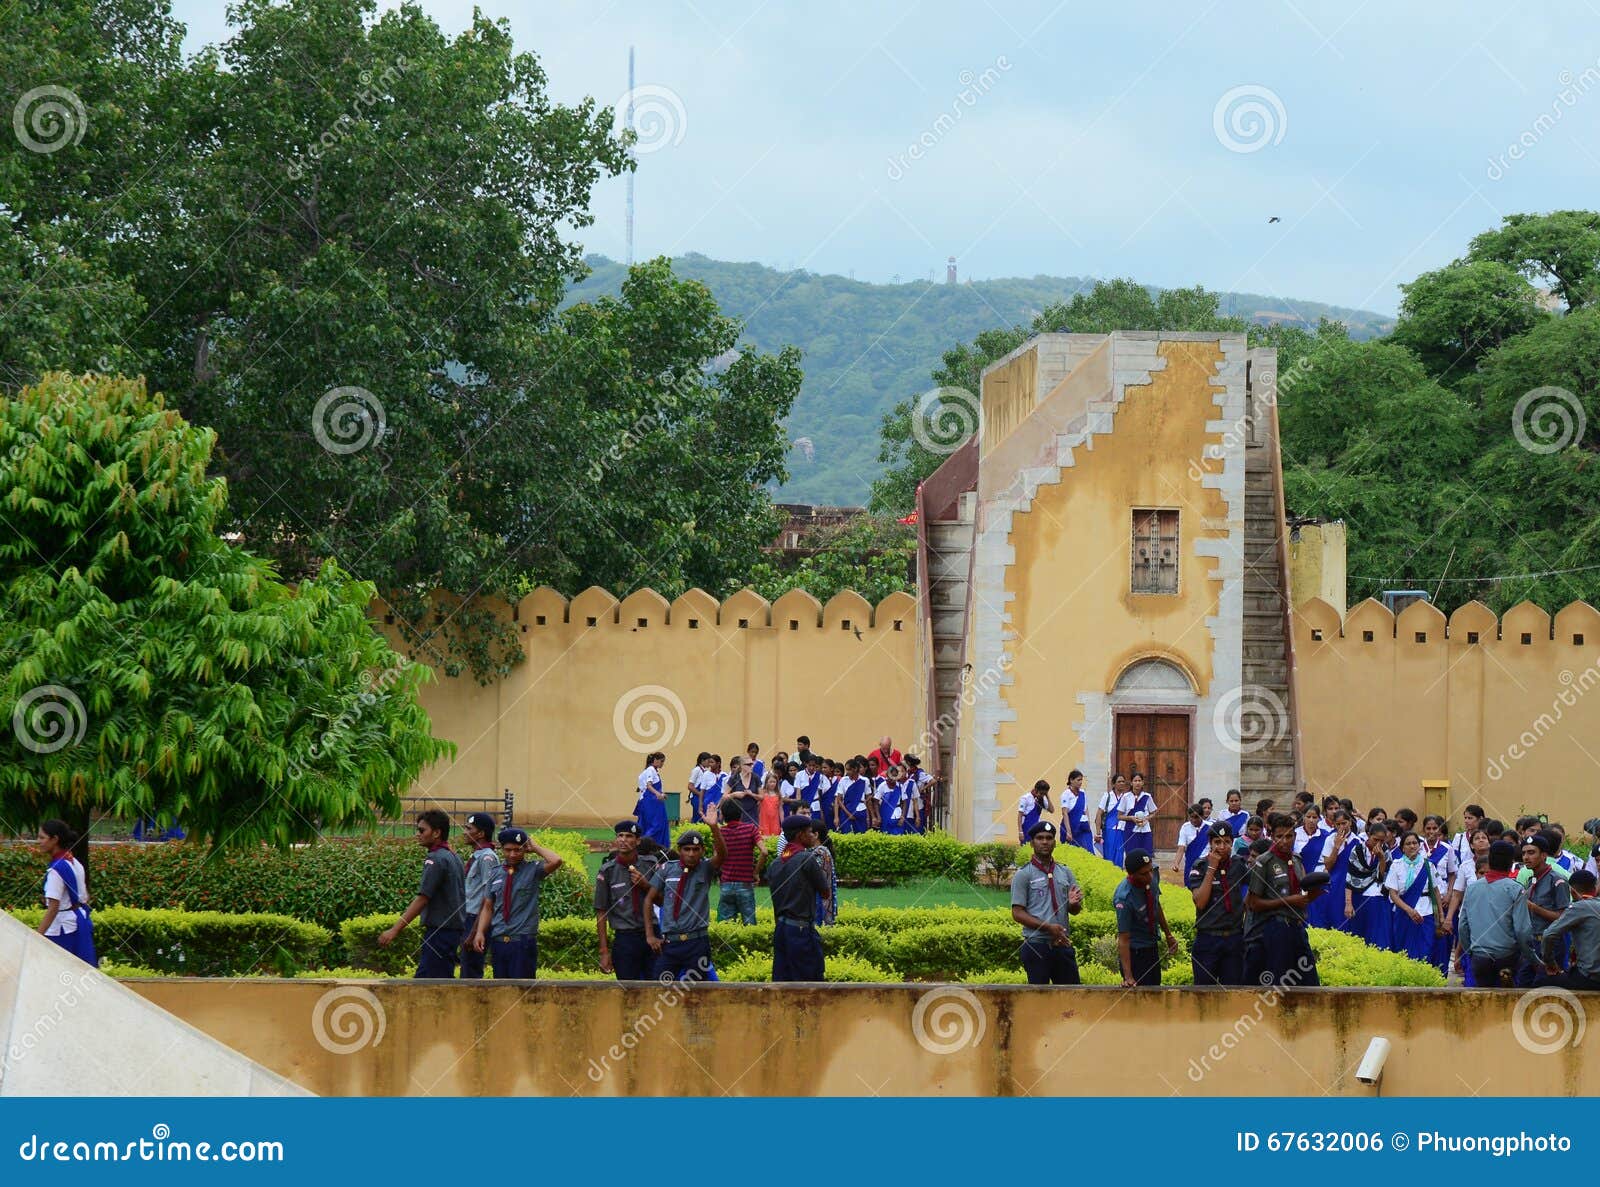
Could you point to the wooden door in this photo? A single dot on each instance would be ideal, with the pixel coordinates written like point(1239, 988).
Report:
point(1156, 745)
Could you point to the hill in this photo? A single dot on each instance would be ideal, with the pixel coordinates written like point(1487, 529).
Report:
point(868, 345)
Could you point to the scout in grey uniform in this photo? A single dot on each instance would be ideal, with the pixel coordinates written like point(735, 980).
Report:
point(1276, 948)
point(682, 889)
point(1548, 896)
point(1219, 883)
point(619, 894)
point(1044, 895)
point(795, 879)
point(508, 921)
point(1582, 919)
point(439, 899)
point(483, 867)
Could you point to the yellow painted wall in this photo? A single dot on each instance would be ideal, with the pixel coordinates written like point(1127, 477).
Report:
point(1078, 624)
point(1512, 725)
point(604, 1039)
point(1317, 563)
point(1009, 393)
point(567, 731)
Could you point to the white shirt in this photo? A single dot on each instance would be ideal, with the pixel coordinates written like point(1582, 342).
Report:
point(694, 776)
point(66, 920)
point(1400, 878)
point(1026, 803)
point(819, 785)
point(883, 792)
point(785, 790)
point(1186, 833)
point(647, 780)
point(1444, 871)
point(1466, 875)
point(1125, 810)
point(1108, 803)
point(1302, 838)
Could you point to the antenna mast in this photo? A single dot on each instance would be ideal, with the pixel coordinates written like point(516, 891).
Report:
point(630, 153)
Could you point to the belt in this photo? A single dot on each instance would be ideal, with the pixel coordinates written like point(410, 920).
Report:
point(797, 922)
point(508, 939)
point(679, 937)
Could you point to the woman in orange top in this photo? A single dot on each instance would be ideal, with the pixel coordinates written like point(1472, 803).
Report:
point(771, 810)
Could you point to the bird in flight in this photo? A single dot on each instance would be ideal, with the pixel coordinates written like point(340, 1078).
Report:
point(1274, 219)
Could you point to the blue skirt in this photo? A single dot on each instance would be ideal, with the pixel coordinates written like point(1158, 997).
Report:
point(81, 942)
point(1413, 939)
point(1372, 920)
point(652, 814)
point(1113, 846)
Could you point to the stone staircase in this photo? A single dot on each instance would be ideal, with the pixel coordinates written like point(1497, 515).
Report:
point(949, 582)
point(1267, 764)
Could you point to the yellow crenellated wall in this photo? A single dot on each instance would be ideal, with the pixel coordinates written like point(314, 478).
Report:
point(568, 729)
point(1506, 710)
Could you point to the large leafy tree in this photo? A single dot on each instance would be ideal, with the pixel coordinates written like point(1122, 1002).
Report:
point(151, 668)
point(1452, 317)
point(1561, 249)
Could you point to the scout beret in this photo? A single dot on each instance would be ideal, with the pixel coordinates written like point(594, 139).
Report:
point(1505, 851)
point(1221, 829)
point(1542, 840)
point(794, 825)
point(1043, 826)
point(481, 821)
point(627, 827)
point(513, 836)
point(1136, 861)
point(691, 837)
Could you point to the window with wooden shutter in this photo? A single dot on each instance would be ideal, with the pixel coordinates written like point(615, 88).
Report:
point(1155, 552)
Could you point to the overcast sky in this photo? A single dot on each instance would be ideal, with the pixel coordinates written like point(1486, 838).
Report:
point(1139, 139)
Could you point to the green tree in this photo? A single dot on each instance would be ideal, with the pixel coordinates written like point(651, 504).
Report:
point(873, 555)
point(1450, 318)
point(151, 668)
point(1561, 248)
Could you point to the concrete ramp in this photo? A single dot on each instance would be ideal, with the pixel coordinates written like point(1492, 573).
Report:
point(69, 1029)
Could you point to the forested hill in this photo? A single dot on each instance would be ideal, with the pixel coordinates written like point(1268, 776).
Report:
point(868, 345)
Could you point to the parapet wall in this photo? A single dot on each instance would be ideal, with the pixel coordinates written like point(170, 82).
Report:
point(1507, 710)
point(605, 682)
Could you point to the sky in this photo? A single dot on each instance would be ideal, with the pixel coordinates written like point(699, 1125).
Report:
point(1134, 139)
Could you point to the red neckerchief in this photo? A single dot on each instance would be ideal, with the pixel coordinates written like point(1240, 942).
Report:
point(790, 848)
point(1152, 906)
point(1288, 864)
point(1227, 895)
point(1496, 875)
point(1050, 880)
point(633, 889)
point(436, 848)
point(677, 894)
point(505, 912)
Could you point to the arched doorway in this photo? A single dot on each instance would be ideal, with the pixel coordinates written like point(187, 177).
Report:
point(1153, 709)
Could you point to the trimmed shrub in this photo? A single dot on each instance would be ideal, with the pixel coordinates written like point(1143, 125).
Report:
point(325, 883)
point(1001, 975)
point(839, 970)
point(204, 943)
point(863, 856)
point(338, 974)
point(112, 968)
point(1345, 960)
point(949, 951)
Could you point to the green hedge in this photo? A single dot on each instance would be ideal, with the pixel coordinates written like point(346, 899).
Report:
point(204, 943)
point(325, 883)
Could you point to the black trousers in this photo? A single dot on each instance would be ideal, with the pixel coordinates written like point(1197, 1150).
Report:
point(472, 963)
point(1279, 953)
point(515, 958)
point(684, 960)
point(1049, 964)
point(796, 952)
point(631, 956)
point(1146, 965)
point(1218, 959)
point(1571, 979)
point(440, 948)
point(1486, 970)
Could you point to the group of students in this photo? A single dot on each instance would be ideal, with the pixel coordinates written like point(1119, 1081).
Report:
point(876, 792)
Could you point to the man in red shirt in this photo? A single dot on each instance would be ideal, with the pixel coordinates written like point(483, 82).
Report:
point(736, 842)
point(886, 755)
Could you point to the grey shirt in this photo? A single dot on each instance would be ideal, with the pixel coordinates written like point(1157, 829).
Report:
point(1224, 914)
point(1550, 892)
point(1030, 890)
point(483, 867)
point(614, 895)
point(693, 915)
point(1582, 919)
point(795, 882)
point(443, 884)
point(1494, 920)
point(524, 889)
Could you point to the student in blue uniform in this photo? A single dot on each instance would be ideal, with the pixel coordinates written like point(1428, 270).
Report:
point(1107, 824)
point(620, 889)
point(1137, 904)
point(1415, 897)
point(1442, 856)
point(1367, 910)
point(1044, 896)
point(753, 763)
point(1337, 846)
point(853, 799)
point(508, 921)
point(439, 900)
point(66, 921)
point(1277, 950)
point(890, 815)
point(482, 870)
point(651, 808)
point(1236, 817)
point(1219, 880)
point(1032, 807)
point(1134, 812)
point(1075, 827)
point(1194, 839)
point(696, 786)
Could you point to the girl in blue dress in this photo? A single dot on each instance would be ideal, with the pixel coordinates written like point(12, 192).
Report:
point(66, 920)
point(1415, 899)
point(651, 809)
point(1075, 813)
point(1111, 821)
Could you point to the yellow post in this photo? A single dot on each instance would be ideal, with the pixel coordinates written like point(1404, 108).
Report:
point(1436, 797)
